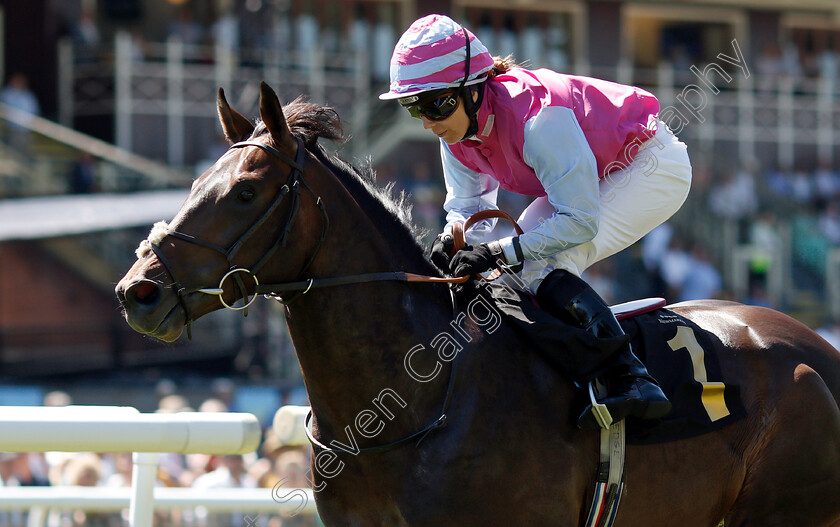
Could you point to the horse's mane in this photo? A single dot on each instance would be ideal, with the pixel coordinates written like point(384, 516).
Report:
point(388, 208)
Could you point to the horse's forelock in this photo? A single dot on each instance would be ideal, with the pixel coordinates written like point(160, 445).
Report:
point(159, 231)
point(308, 120)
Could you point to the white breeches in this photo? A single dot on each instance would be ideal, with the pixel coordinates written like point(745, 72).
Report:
point(634, 200)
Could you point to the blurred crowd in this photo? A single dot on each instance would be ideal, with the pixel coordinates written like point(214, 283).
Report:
point(272, 465)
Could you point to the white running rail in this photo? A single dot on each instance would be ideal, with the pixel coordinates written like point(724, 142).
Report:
point(124, 429)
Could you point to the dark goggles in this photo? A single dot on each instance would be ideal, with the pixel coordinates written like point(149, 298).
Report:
point(435, 108)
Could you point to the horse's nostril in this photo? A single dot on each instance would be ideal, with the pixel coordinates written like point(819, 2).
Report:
point(145, 293)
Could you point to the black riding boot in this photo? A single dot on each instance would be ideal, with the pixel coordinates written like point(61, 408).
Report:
point(630, 390)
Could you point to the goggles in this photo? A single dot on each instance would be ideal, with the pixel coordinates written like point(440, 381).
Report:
point(436, 108)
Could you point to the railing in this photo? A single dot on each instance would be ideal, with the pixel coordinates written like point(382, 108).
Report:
point(124, 429)
point(163, 102)
point(167, 498)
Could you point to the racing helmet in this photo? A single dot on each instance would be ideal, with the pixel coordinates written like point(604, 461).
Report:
point(436, 53)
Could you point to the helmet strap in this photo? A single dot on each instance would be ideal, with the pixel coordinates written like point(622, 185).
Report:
point(471, 106)
point(465, 92)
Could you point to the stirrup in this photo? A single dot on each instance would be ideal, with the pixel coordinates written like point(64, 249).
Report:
point(599, 411)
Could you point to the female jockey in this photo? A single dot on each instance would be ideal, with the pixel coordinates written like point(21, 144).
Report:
point(604, 169)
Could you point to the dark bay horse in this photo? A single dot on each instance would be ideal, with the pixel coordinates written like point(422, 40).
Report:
point(379, 359)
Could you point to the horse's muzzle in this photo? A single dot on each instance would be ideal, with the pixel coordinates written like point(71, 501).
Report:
point(150, 308)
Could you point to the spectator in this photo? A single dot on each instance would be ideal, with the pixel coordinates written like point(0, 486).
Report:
point(292, 468)
point(306, 26)
point(138, 45)
point(186, 29)
point(86, 37)
point(85, 470)
point(7, 469)
point(791, 61)
point(224, 390)
point(86, 33)
point(57, 398)
point(8, 478)
point(802, 186)
point(174, 403)
point(769, 68)
point(828, 221)
point(734, 198)
point(82, 179)
point(779, 183)
point(231, 474)
point(654, 248)
point(225, 31)
point(827, 65)
point(675, 266)
point(123, 466)
point(213, 405)
point(702, 280)
point(292, 471)
point(767, 244)
point(17, 95)
point(262, 471)
point(826, 182)
point(31, 469)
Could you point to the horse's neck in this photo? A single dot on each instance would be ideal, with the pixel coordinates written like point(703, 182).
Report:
point(351, 341)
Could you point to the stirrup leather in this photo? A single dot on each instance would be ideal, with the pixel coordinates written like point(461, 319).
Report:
point(599, 411)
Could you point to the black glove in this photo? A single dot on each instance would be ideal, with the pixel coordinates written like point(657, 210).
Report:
point(441, 251)
point(473, 260)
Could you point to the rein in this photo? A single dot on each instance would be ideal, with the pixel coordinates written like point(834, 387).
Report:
point(301, 287)
point(298, 287)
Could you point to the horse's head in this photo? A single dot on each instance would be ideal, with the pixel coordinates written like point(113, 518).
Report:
point(251, 207)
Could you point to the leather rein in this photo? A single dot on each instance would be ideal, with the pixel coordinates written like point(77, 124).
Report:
point(301, 287)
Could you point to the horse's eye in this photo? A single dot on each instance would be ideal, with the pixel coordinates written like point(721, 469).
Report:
point(245, 195)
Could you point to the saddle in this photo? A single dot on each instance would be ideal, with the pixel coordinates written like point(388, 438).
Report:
point(680, 355)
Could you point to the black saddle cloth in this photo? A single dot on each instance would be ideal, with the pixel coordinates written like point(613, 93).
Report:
point(680, 355)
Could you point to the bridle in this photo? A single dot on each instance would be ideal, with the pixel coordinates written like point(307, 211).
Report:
point(290, 188)
point(277, 291)
point(301, 287)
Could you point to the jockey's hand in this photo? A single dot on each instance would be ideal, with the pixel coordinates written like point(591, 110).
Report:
point(441, 251)
point(474, 260)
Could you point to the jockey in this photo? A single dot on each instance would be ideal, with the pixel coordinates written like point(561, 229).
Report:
point(604, 169)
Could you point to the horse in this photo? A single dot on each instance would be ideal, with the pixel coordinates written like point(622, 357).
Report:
point(442, 417)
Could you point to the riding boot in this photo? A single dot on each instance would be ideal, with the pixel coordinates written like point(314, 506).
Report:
point(620, 381)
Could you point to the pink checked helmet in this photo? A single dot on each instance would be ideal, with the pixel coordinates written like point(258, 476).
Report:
point(431, 55)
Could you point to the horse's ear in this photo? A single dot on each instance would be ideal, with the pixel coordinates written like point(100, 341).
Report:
point(271, 113)
point(236, 126)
